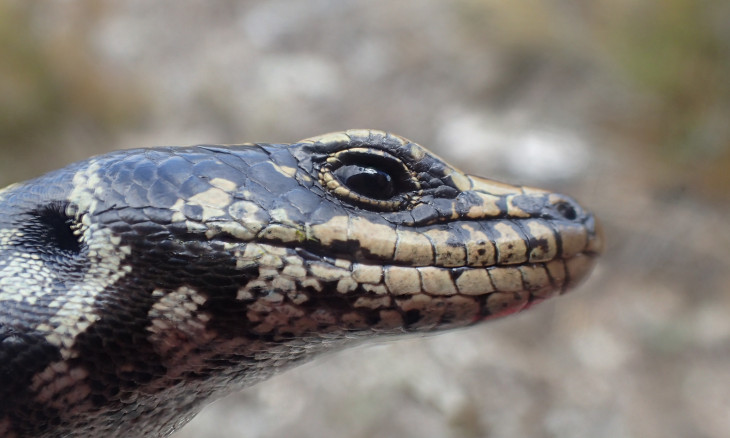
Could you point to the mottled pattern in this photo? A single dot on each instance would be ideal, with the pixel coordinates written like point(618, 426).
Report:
point(136, 285)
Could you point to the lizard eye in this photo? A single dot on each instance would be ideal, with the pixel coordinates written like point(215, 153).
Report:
point(366, 181)
point(370, 178)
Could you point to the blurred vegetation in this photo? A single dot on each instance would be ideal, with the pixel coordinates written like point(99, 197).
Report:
point(673, 56)
point(679, 54)
point(52, 88)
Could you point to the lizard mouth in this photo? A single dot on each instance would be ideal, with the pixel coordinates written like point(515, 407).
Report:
point(406, 296)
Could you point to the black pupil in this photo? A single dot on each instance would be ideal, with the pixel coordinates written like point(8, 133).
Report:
point(367, 181)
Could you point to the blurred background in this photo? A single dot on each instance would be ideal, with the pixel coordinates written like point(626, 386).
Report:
point(624, 105)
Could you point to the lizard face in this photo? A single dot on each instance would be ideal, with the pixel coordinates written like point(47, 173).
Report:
point(141, 281)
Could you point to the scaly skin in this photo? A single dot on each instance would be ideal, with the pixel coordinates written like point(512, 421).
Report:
point(138, 285)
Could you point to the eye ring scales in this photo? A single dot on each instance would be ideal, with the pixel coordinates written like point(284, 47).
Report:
point(370, 178)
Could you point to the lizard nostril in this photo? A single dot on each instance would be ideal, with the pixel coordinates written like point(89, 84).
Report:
point(563, 207)
point(566, 210)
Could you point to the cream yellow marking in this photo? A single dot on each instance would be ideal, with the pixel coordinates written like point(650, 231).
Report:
point(250, 290)
point(244, 209)
point(372, 274)
point(74, 312)
point(447, 255)
point(377, 289)
point(281, 216)
point(346, 284)
point(223, 184)
point(248, 215)
point(213, 201)
point(378, 239)
point(175, 321)
point(413, 248)
point(415, 151)
point(313, 283)
point(297, 297)
point(540, 232)
point(511, 248)
point(282, 233)
point(513, 210)
point(480, 251)
point(402, 280)
point(248, 258)
point(244, 293)
point(196, 227)
point(76, 308)
point(275, 250)
point(342, 191)
point(177, 207)
point(493, 187)
point(6, 236)
point(418, 302)
point(271, 261)
point(294, 271)
point(272, 297)
point(267, 273)
point(82, 195)
point(23, 278)
point(474, 282)
point(534, 277)
point(342, 263)
point(488, 207)
point(327, 272)
point(231, 228)
point(61, 387)
point(287, 171)
point(437, 281)
point(333, 230)
point(506, 279)
point(283, 284)
point(461, 181)
point(363, 133)
point(293, 260)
